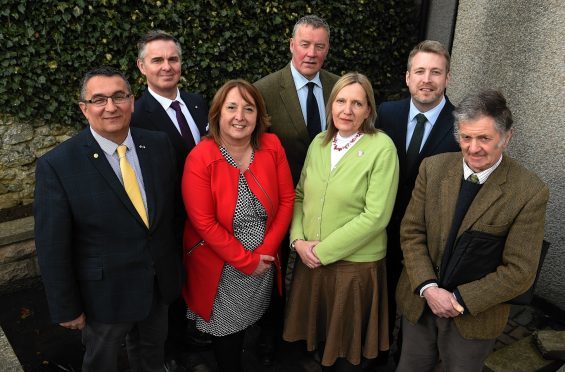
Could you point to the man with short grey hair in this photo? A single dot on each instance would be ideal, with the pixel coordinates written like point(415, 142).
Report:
point(183, 116)
point(295, 97)
point(471, 239)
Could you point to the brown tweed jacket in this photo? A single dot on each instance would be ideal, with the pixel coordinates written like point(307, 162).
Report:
point(511, 203)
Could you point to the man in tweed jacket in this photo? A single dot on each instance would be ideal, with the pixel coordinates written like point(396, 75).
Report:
point(480, 190)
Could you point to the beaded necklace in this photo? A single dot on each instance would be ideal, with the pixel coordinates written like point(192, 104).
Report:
point(346, 146)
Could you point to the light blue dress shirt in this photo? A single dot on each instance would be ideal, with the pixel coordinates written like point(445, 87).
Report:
point(302, 90)
point(110, 151)
point(431, 115)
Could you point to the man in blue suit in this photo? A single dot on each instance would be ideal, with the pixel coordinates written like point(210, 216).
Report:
point(159, 60)
point(427, 77)
point(185, 122)
point(109, 255)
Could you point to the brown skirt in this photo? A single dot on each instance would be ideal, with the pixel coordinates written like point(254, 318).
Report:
point(342, 307)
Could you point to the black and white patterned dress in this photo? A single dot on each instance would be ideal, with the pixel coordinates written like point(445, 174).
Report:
point(241, 299)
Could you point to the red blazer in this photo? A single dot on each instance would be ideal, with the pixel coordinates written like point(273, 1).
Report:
point(209, 190)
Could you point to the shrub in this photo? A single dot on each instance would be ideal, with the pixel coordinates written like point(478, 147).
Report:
point(46, 46)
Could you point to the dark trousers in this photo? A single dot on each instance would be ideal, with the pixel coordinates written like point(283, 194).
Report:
point(434, 338)
point(228, 350)
point(177, 325)
point(271, 324)
point(144, 341)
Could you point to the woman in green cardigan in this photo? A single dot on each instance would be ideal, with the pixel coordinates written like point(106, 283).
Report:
point(344, 200)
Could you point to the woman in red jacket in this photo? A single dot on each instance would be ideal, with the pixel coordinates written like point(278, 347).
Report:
point(238, 193)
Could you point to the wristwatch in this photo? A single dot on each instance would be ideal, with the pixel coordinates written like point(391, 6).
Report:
point(293, 244)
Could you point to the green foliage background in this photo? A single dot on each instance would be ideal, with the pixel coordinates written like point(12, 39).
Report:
point(46, 46)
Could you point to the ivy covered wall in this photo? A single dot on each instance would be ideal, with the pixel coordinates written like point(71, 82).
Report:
point(46, 46)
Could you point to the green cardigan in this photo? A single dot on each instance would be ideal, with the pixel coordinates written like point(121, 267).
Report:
point(347, 209)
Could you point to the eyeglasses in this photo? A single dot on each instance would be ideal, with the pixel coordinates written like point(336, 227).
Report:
point(100, 101)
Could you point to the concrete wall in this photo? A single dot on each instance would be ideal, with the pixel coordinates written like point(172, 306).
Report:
point(439, 25)
point(517, 46)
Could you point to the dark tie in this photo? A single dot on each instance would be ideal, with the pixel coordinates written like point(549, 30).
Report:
point(473, 178)
point(413, 151)
point(312, 113)
point(183, 125)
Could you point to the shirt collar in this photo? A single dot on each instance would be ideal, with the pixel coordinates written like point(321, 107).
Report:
point(300, 81)
point(431, 115)
point(110, 147)
point(484, 175)
point(164, 101)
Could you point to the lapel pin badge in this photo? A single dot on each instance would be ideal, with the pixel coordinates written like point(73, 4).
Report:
point(95, 156)
point(195, 107)
point(141, 146)
point(360, 153)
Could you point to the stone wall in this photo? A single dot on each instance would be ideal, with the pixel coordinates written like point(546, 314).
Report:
point(517, 47)
point(18, 260)
point(20, 145)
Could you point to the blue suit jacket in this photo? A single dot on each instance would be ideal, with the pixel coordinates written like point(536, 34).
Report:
point(393, 119)
point(95, 253)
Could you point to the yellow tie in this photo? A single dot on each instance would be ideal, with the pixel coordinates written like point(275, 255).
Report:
point(131, 185)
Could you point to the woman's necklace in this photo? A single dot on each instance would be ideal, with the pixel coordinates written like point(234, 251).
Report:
point(241, 157)
point(346, 146)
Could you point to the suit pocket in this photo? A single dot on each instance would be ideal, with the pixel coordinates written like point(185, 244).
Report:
point(498, 230)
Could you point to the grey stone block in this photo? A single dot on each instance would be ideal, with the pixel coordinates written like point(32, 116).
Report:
point(521, 356)
point(8, 359)
point(551, 344)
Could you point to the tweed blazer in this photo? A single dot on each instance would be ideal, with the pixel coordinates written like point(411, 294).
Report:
point(287, 121)
point(511, 203)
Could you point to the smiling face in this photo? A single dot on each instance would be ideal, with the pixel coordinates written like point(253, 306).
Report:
point(161, 65)
point(309, 48)
point(111, 121)
point(427, 80)
point(350, 109)
point(237, 118)
point(481, 143)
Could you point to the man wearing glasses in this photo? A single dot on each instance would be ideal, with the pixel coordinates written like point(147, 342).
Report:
point(104, 230)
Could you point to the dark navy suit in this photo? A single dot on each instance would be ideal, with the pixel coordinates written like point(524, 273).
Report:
point(96, 255)
point(393, 120)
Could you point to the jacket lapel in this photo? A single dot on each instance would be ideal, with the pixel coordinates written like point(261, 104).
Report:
point(156, 114)
point(143, 150)
point(487, 195)
point(441, 128)
point(290, 100)
point(97, 158)
point(198, 113)
point(401, 130)
point(450, 187)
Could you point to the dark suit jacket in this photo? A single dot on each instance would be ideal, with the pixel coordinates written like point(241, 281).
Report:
point(95, 253)
point(510, 203)
point(287, 121)
point(149, 114)
point(392, 118)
